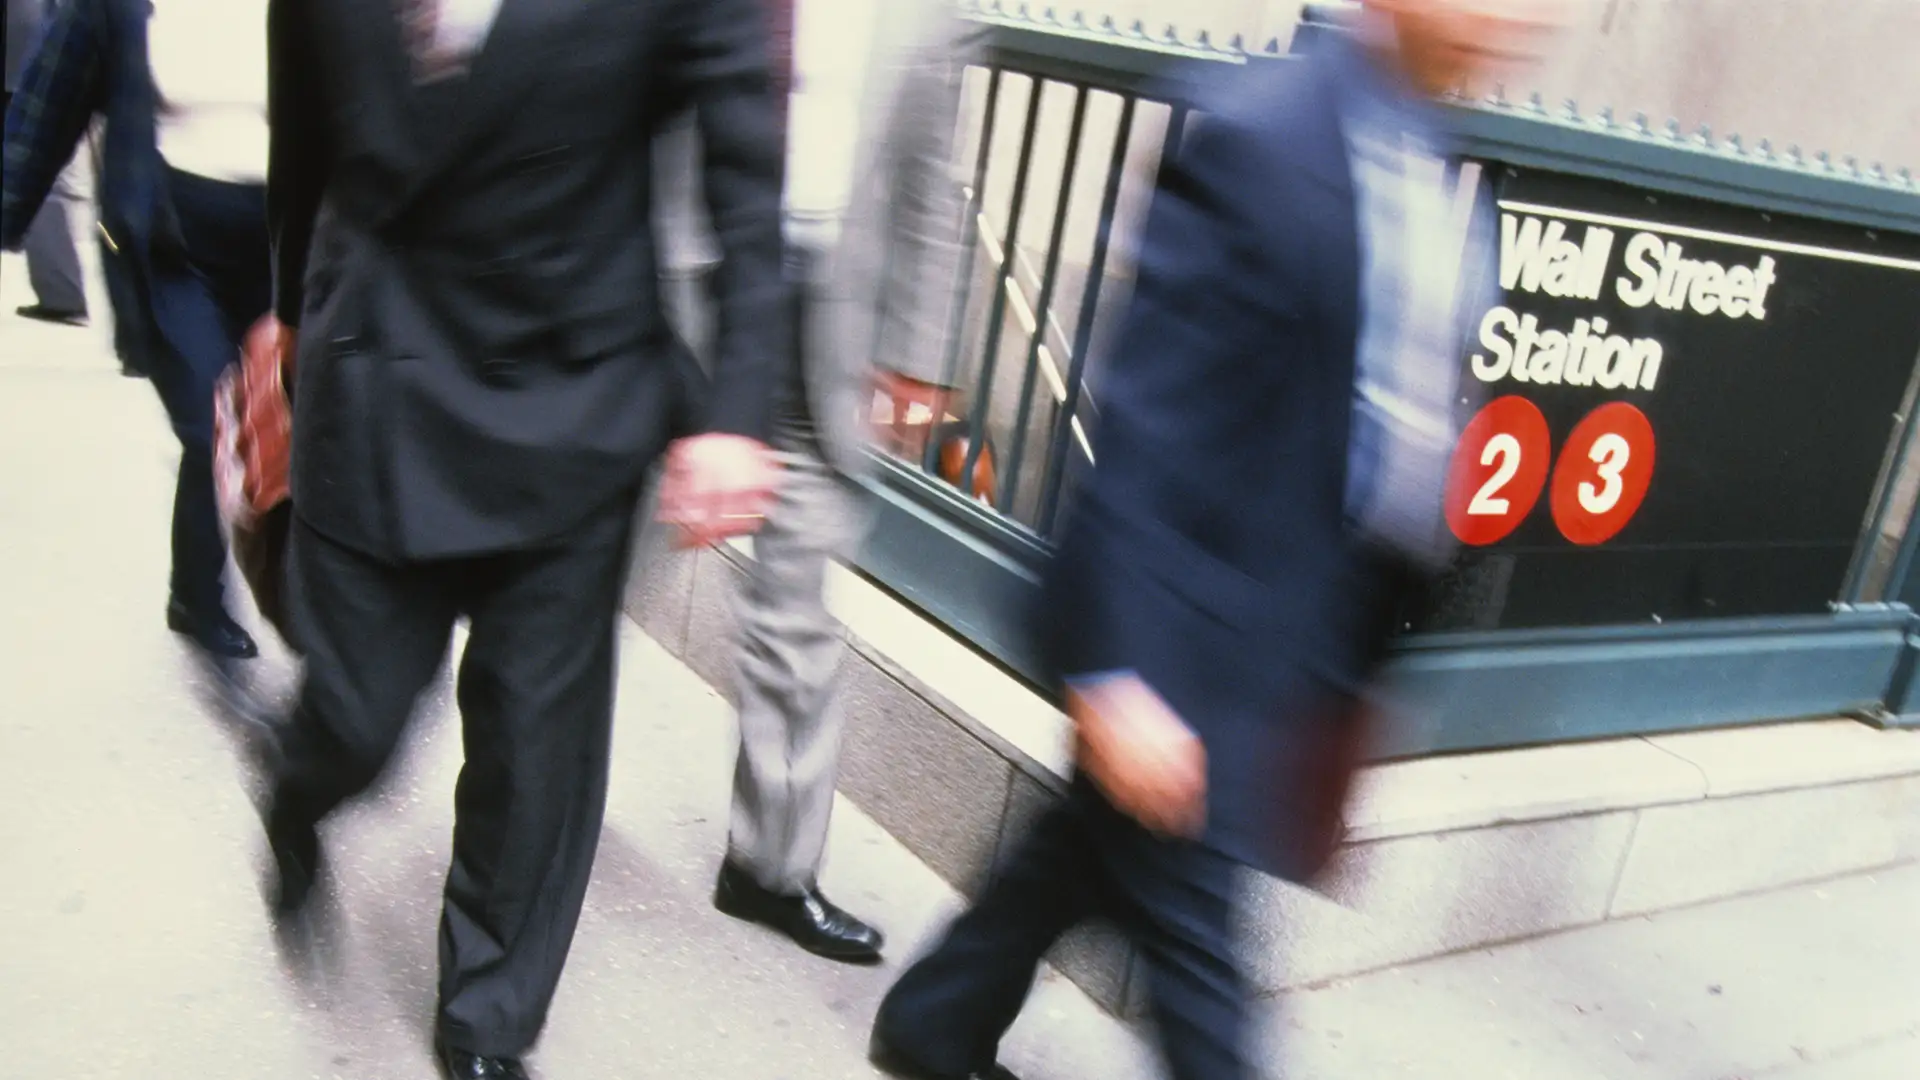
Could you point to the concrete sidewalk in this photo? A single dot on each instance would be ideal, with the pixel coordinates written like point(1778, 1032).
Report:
point(133, 942)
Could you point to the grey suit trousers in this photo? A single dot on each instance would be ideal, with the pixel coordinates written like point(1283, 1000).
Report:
point(785, 683)
point(53, 262)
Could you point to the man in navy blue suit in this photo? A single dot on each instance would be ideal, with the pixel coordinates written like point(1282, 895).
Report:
point(1274, 438)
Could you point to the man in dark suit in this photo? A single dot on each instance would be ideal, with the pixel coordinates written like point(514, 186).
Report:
point(1274, 437)
point(53, 263)
point(459, 197)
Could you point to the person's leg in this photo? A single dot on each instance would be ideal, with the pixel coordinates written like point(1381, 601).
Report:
point(536, 706)
point(373, 635)
point(53, 262)
point(195, 301)
point(947, 1013)
point(790, 648)
point(195, 352)
point(1177, 901)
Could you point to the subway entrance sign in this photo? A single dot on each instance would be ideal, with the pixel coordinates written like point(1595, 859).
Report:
point(1683, 409)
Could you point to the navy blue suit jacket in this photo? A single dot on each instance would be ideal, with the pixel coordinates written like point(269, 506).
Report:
point(91, 61)
point(1208, 550)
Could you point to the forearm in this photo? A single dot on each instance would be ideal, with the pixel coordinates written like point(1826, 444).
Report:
point(727, 78)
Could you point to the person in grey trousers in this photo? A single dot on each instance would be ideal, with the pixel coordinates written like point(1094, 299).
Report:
point(53, 263)
point(875, 300)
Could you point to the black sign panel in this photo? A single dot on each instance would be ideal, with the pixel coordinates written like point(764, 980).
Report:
point(1687, 406)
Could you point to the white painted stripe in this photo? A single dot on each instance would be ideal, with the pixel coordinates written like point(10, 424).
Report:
point(1781, 246)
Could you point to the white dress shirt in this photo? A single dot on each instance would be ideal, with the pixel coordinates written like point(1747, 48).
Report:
point(209, 60)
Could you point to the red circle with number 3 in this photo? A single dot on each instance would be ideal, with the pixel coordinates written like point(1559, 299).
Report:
point(1499, 467)
point(1604, 472)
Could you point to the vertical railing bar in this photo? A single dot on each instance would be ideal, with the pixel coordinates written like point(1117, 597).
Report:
point(1901, 458)
point(997, 311)
point(969, 242)
point(1089, 304)
point(1049, 278)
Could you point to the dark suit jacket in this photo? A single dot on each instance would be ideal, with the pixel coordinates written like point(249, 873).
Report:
point(1208, 550)
point(483, 357)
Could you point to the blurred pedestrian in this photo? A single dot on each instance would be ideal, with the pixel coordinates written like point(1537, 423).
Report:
point(182, 90)
point(1274, 432)
point(53, 262)
point(467, 269)
point(876, 291)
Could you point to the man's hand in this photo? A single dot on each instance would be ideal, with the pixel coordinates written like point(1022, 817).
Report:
point(285, 342)
point(1140, 753)
point(716, 486)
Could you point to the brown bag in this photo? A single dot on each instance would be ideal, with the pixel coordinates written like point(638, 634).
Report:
point(252, 452)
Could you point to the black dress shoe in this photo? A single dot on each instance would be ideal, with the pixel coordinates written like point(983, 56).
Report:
point(296, 860)
point(814, 924)
point(43, 313)
point(219, 636)
point(460, 1065)
point(895, 1064)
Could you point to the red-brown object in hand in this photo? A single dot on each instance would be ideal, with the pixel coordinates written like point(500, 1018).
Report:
point(253, 429)
point(253, 451)
point(1337, 744)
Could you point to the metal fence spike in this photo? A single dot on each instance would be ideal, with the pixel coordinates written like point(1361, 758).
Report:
point(1172, 35)
point(1536, 103)
point(1238, 44)
point(1139, 28)
point(1273, 47)
point(1765, 149)
point(1571, 109)
point(1641, 125)
point(1878, 172)
point(1906, 177)
point(1108, 25)
point(1205, 40)
point(1853, 165)
point(1605, 117)
point(1825, 160)
point(1704, 136)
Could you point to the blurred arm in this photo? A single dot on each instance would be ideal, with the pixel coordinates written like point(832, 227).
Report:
point(924, 205)
point(299, 157)
point(724, 74)
point(58, 95)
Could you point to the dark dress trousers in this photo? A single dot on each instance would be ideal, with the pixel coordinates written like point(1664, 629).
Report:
point(1208, 553)
point(484, 377)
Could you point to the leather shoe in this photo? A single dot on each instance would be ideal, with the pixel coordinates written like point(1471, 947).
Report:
point(891, 1061)
point(296, 859)
point(808, 918)
point(43, 313)
point(219, 636)
point(460, 1065)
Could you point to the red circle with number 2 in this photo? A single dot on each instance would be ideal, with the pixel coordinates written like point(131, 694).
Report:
point(1604, 472)
point(1499, 467)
